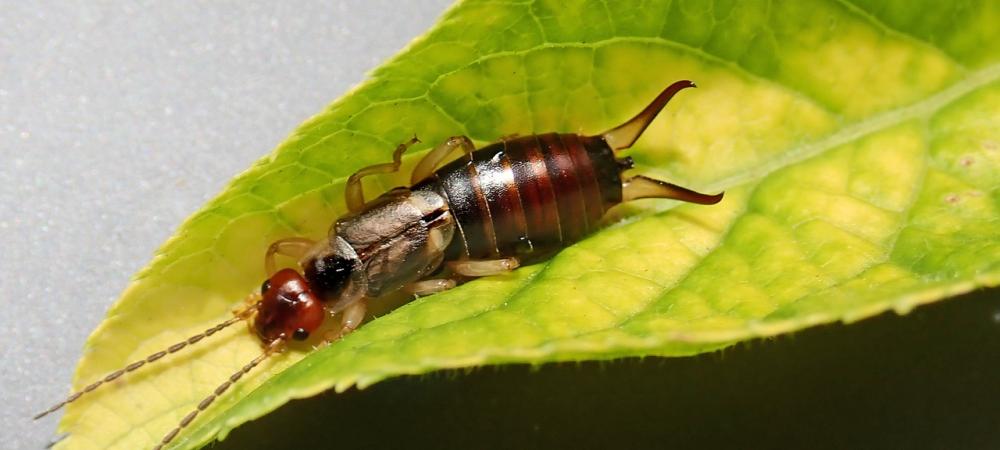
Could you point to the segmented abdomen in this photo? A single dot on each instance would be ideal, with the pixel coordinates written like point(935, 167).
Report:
point(528, 197)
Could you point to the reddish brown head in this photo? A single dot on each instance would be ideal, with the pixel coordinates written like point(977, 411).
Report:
point(288, 308)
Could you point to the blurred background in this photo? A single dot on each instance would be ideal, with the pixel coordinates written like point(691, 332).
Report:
point(119, 119)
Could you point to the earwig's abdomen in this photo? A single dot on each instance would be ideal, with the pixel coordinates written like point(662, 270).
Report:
point(528, 197)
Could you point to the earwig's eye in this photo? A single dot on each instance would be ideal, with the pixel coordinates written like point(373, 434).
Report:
point(300, 334)
point(265, 286)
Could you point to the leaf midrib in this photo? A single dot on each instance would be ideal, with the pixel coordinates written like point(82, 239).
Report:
point(887, 119)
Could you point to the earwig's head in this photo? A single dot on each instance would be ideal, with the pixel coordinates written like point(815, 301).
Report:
point(288, 308)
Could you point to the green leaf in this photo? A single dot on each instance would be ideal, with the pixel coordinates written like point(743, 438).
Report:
point(859, 145)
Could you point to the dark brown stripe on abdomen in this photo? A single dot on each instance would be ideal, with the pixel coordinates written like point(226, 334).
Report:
point(499, 191)
point(569, 196)
point(589, 186)
point(463, 202)
point(529, 197)
point(538, 196)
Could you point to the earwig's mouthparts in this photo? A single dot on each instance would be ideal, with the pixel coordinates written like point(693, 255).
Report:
point(155, 356)
point(624, 135)
point(271, 348)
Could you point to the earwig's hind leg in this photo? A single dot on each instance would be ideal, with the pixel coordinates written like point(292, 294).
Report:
point(428, 287)
point(642, 187)
point(349, 321)
point(483, 268)
point(433, 158)
point(624, 135)
point(354, 193)
point(294, 247)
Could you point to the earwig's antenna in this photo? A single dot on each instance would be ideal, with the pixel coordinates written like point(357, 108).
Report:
point(268, 351)
point(155, 356)
point(624, 135)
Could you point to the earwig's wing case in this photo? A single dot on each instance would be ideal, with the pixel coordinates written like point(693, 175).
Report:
point(850, 191)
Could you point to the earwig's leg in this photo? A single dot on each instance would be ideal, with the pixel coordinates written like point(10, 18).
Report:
point(249, 306)
point(433, 158)
point(624, 135)
point(248, 310)
point(428, 287)
point(483, 268)
point(351, 319)
point(643, 187)
point(294, 247)
point(354, 193)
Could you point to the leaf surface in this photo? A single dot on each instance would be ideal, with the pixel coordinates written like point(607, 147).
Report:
point(858, 143)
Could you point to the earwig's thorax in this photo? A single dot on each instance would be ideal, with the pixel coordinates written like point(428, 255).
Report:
point(328, 274)
point(334, 270)
point(288, 308)
point(398, 238)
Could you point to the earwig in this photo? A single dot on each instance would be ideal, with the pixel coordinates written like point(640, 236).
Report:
point(513, 202)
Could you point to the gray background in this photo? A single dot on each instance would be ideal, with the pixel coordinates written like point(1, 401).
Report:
point(119, 119)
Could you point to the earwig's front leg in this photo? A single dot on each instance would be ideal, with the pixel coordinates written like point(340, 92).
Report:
point(433, 158)
point(428, 287)
point(349, 321)
point(642, 187)
point(248, 310)
point(483, 268)
point(355, 196)
point(294, 247)
point(250, 305)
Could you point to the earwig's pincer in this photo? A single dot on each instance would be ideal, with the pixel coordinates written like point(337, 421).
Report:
point(489, 210)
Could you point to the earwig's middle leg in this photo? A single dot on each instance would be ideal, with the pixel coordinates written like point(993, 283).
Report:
point(294, 247)
point(353, 192)
point(428, 287)
point(433, 158)
point(483, 268)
